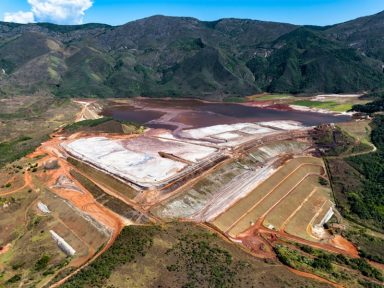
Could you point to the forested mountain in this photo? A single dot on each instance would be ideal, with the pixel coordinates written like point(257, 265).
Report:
point(185, 57)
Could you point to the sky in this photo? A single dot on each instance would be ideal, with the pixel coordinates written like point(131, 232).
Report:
point(117, 12)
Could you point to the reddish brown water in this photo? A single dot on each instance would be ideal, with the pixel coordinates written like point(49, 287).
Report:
point(196, 113)
point(131, 113)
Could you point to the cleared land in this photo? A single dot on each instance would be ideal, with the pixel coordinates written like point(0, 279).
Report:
point(327, 103)
point(112, 156)
point(143, 160)
point(237, 134)
point(116, 205)
point(33, 257)
point(299, 195)
point(360, 130)
point(164, 161)
point(218, 189)
point(105, 179)
point(304, 218)
point(261, 200)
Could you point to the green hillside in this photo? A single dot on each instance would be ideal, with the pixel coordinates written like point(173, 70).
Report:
point(185, 57)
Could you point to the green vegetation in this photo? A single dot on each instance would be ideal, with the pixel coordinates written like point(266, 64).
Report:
point(74, 127)
point(38, 115)
point(204, 262)
point(323, 181)
point(372, 107)
point(216, 59)
point(325, 264)
point(328, 105)
point(357, 181)
point(334, 141)
point(131, 243)
point(234, 100)
point(16, 149)
point(180, 255)
point(370, 247)
point(272, 97)
point(303, 64)
point(14, 279)
point(42, 263)
point(106, 125)
point(368, 203)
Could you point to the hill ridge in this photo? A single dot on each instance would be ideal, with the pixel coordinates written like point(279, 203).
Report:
point(185, 57)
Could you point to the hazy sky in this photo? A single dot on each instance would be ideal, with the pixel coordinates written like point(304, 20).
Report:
point(317, 12)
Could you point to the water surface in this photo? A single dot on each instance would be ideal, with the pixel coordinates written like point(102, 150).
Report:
point(195, 113)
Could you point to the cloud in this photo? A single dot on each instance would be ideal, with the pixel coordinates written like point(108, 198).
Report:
point(54, 11)
point(19, 17)
point(60, 11)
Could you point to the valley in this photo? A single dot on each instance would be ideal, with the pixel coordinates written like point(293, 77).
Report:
point(183, 152)
point(249, 177)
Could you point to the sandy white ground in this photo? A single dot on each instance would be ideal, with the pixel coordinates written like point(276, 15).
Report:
point(153, 145)
point(112, 156)
point(138, 159)
point(337, 95)
point(216, 129)
point(236, 134)
point(318, 110)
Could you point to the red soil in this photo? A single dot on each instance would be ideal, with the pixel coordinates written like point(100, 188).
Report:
point(345, 245)
point(5, 248)
point(315, 277)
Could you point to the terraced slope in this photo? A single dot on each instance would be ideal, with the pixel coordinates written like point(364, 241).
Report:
point(276, 199)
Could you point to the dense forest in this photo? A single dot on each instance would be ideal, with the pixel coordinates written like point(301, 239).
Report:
point(369, 203)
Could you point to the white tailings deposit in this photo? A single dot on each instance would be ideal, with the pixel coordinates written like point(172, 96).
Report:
point(272, 150)
point(237, 134)
point(43, 208)
point(238, 188)
point(157, 159)
point(203, 206)
point(137, 159)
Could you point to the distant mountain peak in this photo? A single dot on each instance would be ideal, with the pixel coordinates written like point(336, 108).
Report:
point(183, 56)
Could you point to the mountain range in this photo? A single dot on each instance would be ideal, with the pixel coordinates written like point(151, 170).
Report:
point(164, 56)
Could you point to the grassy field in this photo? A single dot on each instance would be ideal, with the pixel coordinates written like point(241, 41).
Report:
point(104, 125)
point(25, 122)
point(328, 105)
point(360, 130)
point(181, 255)
point(225, 220)
point(266, 97)
point(356, 180)
point(234, 100)
point(34, 257)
